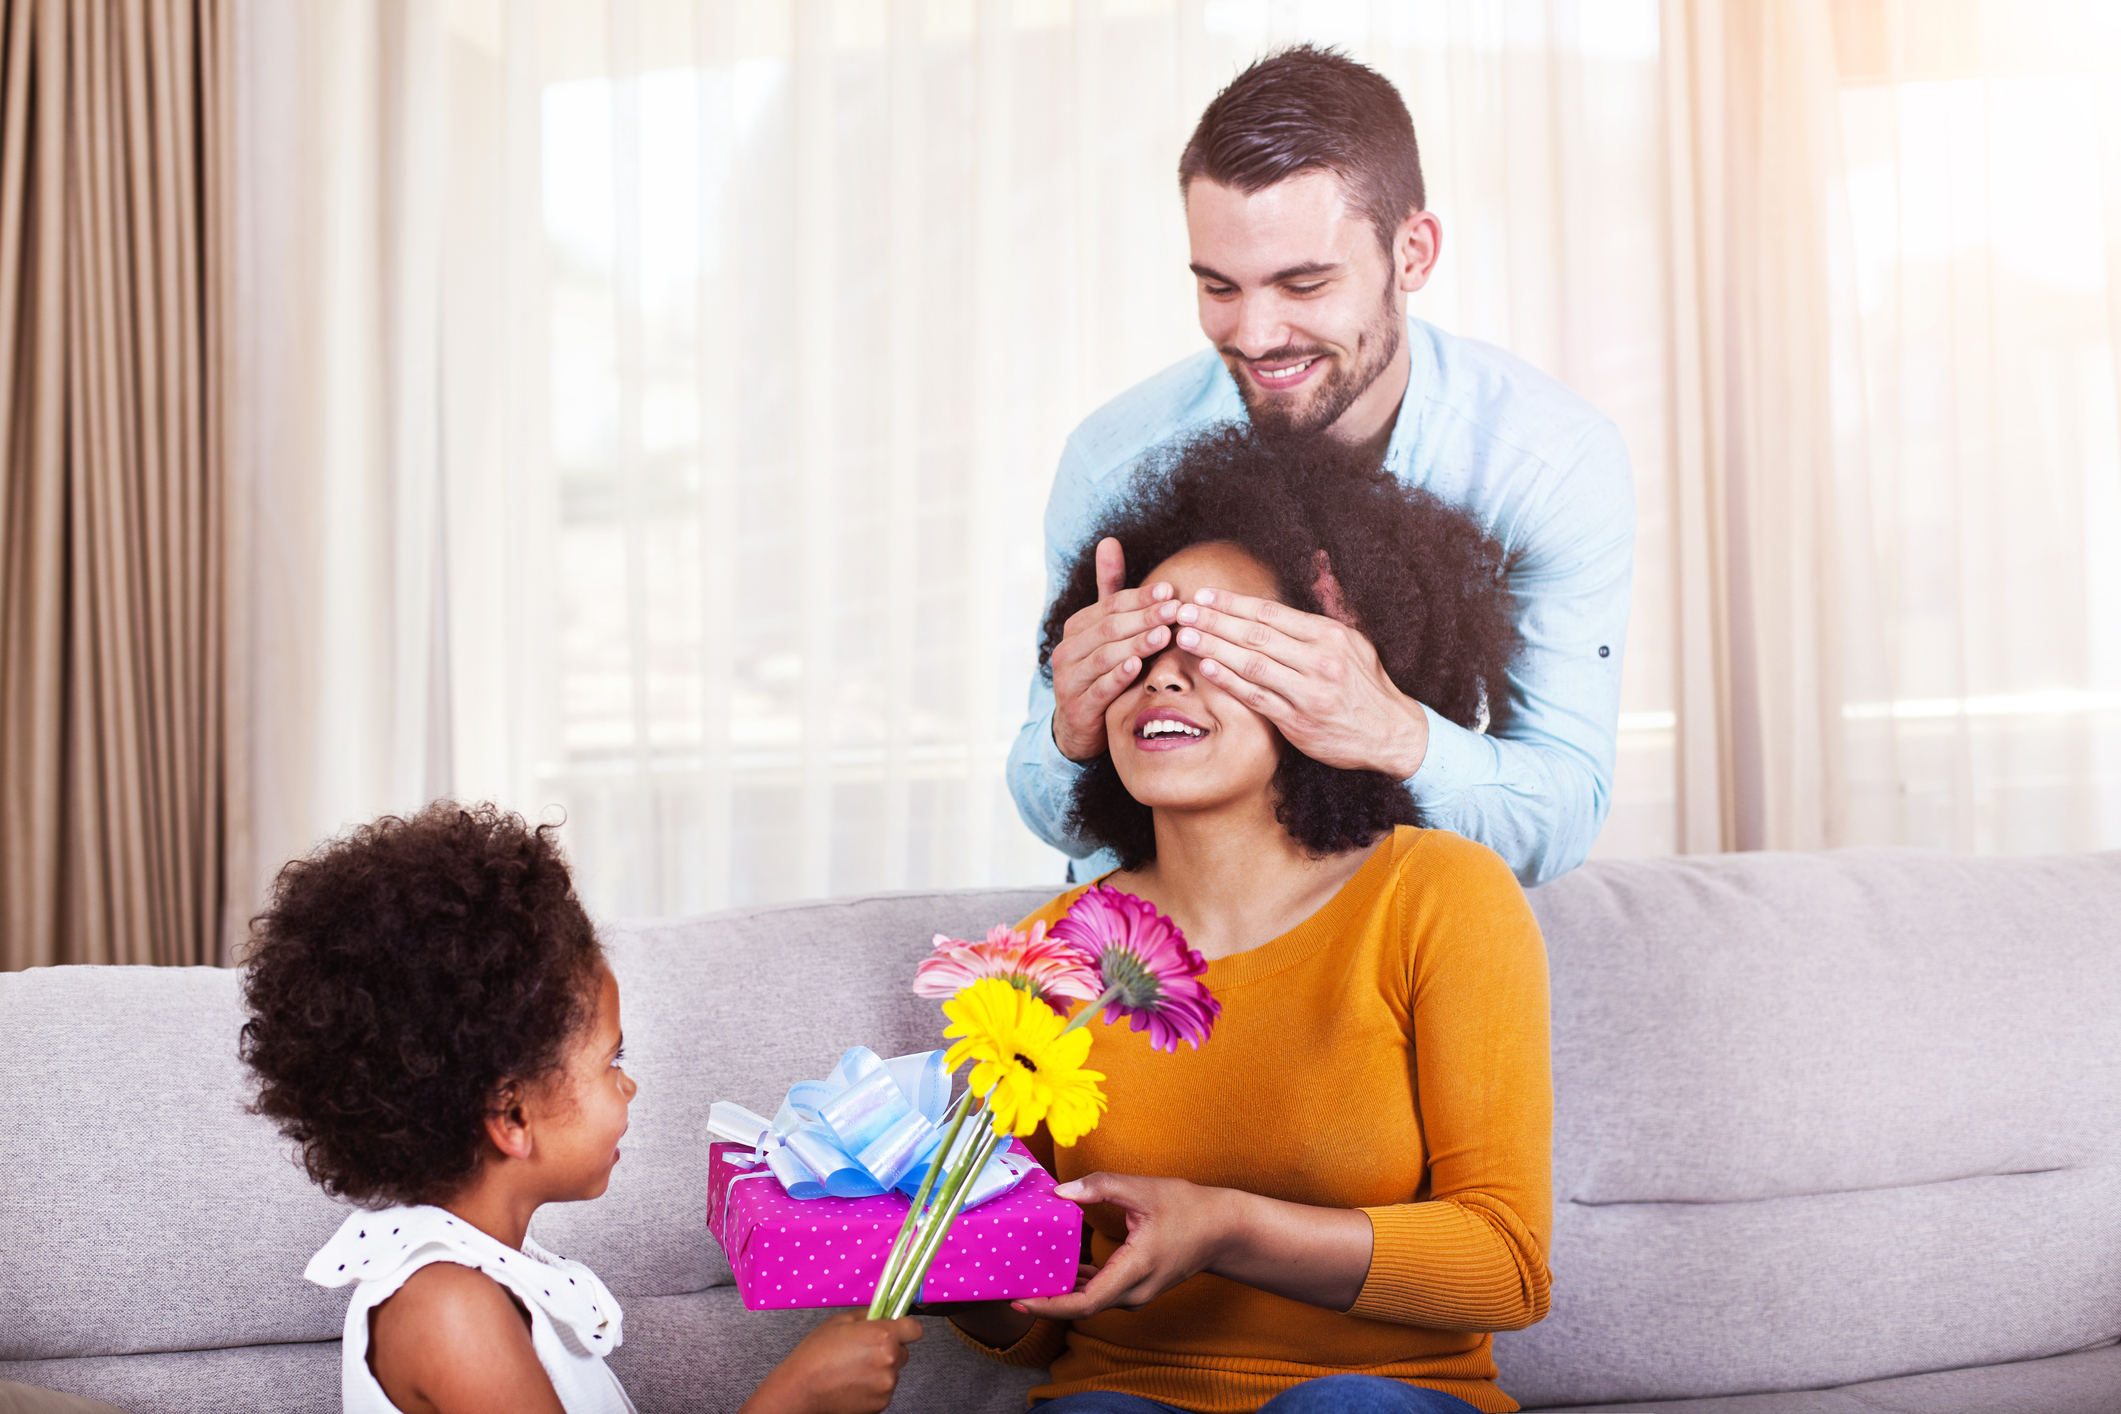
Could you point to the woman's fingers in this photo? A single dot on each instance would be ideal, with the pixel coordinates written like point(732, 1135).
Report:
point(1110, 1285)
point(1170, 1236)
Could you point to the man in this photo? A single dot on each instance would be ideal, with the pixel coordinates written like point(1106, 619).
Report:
point(1308, 227)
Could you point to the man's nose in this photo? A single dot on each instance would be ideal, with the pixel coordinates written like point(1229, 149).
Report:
point(1261, 329)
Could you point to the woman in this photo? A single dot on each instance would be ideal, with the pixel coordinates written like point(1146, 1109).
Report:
point(1334, 1200)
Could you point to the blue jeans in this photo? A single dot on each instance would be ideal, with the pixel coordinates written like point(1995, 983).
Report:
point(1329, 1394)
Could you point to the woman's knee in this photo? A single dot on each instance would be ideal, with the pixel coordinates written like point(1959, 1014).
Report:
point(1362, 1394)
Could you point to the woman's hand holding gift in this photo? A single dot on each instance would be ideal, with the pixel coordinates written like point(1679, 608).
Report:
point(1177, 1229)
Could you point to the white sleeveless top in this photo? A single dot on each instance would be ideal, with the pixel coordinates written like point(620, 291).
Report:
point(574, 1323)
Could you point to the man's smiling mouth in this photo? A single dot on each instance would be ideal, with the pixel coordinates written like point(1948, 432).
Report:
point(1278, 377)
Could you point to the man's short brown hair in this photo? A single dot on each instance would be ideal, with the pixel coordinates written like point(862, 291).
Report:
point(1304, 108)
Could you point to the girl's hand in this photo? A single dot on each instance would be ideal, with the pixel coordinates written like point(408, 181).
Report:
point(1177, 1229)
point(848, 1365)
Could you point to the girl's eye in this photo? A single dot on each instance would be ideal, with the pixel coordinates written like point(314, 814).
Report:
point(618, 1055)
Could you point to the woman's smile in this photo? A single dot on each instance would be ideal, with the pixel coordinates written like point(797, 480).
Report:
point(1163, 729)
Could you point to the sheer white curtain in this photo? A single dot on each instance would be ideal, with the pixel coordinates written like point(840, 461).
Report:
point(1894, 296)
point(651, 402)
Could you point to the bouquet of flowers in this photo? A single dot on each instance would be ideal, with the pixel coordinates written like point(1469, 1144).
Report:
point(1007, 999)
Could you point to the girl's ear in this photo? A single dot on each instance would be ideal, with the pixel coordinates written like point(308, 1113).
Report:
point(507, 1125)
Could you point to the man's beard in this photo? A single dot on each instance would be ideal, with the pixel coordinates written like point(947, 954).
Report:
point(1282, 419)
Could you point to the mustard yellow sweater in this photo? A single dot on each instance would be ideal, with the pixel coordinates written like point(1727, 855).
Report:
point(1389, 1054)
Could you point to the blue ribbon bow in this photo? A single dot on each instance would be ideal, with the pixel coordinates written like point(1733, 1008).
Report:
point(869, 1127)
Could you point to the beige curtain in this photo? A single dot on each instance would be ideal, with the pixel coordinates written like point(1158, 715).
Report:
point(113, 126)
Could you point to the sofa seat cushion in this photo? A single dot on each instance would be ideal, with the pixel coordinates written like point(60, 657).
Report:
point(250, 1379)
point(2086, 1382)
point(1825, 1119)
point(701, 1352)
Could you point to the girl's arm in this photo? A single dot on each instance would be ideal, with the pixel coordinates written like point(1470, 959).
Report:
point(453, 1341)
point(846, 1366)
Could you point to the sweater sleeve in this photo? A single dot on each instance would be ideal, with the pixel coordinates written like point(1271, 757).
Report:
point(1473, 1256)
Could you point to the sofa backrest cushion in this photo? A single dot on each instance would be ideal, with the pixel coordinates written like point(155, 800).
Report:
point(739, 1006)
point(1827, 1118)
point(142, 1209)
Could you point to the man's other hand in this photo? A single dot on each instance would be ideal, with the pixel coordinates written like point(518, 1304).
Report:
point(1317, 679)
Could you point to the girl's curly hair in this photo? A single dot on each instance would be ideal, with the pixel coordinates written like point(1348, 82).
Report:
point(398, 977)
point(1419, 578)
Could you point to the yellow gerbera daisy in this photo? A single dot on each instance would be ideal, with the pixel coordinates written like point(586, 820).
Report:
point(1034, 1070)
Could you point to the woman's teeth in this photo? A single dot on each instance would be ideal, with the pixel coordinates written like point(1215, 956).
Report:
point(1164, 726)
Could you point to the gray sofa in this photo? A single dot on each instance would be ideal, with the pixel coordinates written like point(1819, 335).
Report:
point(1835, 1133)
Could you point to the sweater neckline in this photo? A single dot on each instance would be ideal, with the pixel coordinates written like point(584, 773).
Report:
point(1314, 933)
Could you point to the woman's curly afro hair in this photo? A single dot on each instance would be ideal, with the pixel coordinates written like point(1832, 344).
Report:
point(401, 974)
point(1420, 579)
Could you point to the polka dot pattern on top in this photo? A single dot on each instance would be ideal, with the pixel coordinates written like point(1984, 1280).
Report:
point(788, 1253)
point(574, 1322)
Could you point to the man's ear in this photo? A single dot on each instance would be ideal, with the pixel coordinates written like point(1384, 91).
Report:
point(1415, 247)
point(508, 1122)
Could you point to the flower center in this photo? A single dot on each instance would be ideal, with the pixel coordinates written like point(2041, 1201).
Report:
point(1026, 1062)
point(1139, 986)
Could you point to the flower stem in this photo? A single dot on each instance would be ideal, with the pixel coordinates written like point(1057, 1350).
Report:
point(933, 1232)
point(907, 1228)
point(1082, 1018)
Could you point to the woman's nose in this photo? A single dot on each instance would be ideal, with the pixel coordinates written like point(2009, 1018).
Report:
point(1166, 673)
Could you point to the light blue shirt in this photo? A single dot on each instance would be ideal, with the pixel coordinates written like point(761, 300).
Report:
point(1541, 470)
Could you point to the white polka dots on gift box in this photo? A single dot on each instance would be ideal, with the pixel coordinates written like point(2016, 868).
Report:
point(790, 1254)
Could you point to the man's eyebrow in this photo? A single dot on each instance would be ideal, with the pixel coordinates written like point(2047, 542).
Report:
point(1294, 272)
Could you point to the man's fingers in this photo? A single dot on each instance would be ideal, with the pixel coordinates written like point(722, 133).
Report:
point(1239, 628)
point(1126, 625)
point(1294, 622)
point(1158, 596)
point(1111, 567)
point(906, 1330)
point(1247, 672)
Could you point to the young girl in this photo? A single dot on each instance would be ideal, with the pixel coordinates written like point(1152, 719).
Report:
point(433, 1023)
point(1330, 1204)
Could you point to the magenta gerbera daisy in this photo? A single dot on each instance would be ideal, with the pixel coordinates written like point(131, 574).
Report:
point(1146, 971)
point(1050, 970)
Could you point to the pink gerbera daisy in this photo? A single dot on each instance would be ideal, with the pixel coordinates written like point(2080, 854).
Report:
point(1052, 971)
point(1146, 971)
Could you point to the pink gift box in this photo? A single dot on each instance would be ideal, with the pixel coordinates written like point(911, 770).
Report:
point(830, 1251)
